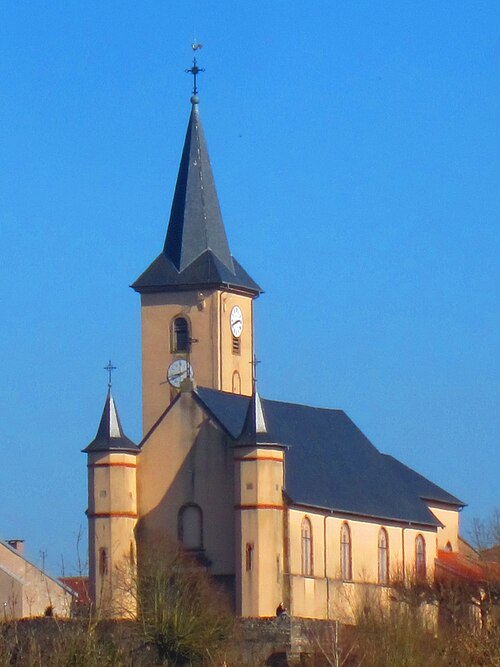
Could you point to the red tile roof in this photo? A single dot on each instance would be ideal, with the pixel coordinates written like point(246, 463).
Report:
point(80, 586)
point(451, 563)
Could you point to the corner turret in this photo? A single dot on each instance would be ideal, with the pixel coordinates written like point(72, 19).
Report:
point(259, 515)
point(112, 515)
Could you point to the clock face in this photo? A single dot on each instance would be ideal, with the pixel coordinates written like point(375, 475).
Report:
point(236, 320)
point(179, 370)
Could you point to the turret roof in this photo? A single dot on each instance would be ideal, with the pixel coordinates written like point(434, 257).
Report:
point(254, 431)
point(110, 435)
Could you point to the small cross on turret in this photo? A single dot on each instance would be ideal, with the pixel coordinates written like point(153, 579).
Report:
point(109, 368)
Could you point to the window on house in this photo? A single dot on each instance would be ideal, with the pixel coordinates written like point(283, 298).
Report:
point(420, 562)
point(236, 383)
point(180, 335)
point(307, 548)
point(249, 557)
point(103, 561)
point(383, 557)
point(345, 552)
point(190, 527)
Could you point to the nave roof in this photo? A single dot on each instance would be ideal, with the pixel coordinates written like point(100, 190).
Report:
point(330, 463)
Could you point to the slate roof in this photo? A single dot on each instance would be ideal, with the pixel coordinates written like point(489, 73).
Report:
point(110, 435)
point(330, 464)
point(196, 251)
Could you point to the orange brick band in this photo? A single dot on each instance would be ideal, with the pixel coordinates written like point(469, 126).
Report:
point(107, 515)
point(258, 458)
point(117, 464)
point(260, 506)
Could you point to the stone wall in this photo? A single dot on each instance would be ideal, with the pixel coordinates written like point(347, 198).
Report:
point(273, 642)
point(284, 642)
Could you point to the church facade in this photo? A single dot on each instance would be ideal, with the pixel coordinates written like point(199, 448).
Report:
point(282, 503)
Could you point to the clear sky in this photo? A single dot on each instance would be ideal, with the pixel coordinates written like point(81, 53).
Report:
point(355, 147)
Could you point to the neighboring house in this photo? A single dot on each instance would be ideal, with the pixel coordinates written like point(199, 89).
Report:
point(27, 591)
point(280, 502)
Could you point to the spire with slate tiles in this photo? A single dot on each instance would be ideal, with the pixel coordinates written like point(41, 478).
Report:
point(196, 251)
point(195, 224)
point(110, 435)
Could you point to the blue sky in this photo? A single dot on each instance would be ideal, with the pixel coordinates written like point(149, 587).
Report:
point(355, 150)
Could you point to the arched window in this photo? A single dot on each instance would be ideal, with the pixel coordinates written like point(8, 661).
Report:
point(448, 547)
point(180, 335)
point(383, 557)
point(420, 562)
point(103, 561)
point(190, 527)
point(307, 548)
point(236, 383)
point(345, 553)
point(249, 557)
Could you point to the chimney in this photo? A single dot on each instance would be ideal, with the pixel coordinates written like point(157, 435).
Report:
point(18, 545)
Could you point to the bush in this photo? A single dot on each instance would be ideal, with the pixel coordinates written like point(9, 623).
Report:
point(181, 612)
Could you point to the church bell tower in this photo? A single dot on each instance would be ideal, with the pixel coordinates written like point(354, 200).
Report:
point(196, 299)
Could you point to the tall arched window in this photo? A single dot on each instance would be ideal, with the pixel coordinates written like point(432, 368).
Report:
point(383, 557)
point(307, 548)
point(420, 562)
point(236, 383)
point(103, 561)
point(190, 527)
point(180, 335)
point(345, 552)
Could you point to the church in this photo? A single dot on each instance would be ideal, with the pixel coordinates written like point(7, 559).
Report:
point(281, 503)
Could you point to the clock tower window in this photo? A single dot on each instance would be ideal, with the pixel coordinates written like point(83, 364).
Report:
point(236, 347)
point(180, 335)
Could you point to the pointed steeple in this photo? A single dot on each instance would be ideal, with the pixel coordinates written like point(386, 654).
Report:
point(196, 251)
point(110, 435)
point(195, 219)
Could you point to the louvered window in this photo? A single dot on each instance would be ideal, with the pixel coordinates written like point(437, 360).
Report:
point(180, 335)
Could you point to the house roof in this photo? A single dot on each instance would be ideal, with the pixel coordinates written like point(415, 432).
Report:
point(5, 545)
point(110, 435)
point(80, 587)
point(330, 464)
point(196, 251)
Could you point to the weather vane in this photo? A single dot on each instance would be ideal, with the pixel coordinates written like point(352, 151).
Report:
point(195, 70)
point(110, 368)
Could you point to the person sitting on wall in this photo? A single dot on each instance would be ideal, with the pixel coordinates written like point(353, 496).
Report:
point(281, 610)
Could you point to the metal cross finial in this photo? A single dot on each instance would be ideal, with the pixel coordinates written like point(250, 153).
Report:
point(254, 363)
point(110, 368)
point(195, 70)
